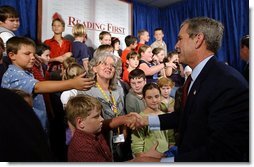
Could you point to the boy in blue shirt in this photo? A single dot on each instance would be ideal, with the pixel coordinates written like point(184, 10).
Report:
point(21, 51)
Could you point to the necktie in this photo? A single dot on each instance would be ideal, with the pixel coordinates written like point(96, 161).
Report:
point(185, 90)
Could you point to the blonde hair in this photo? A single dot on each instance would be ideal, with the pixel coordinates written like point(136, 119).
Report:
point(101, 57)
point(68, 61)
point(81, 106)
point(142, 49)
point(164, 81)
point(73, 70)
point(78, 30)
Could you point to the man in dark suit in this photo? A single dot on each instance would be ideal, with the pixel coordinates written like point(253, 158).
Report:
point(244, 54)
point(214, 123)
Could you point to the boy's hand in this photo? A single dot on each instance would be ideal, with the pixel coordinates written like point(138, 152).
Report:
point(38, 61)
point(82, 83)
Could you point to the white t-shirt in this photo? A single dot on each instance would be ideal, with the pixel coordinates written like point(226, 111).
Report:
point(65, 96)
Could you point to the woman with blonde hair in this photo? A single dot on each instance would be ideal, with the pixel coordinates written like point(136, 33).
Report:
point(106, 70)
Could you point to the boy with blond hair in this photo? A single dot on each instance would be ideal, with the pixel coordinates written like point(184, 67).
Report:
point(21, 51)
point(87, 144)
point(105, 38)
point(79, 48)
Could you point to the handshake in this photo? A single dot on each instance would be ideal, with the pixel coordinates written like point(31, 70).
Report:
point(134, 120)
point(131, 120)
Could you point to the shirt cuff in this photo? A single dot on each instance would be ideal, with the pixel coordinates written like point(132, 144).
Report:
point(154, 122)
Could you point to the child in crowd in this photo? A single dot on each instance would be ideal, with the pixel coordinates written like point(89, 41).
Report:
point(167, 103)
point(9, 22)
point(115, 42)
point(39, 69)
point(134, 101)
point(103, 48)
point(158, 57)
point(21, 52)
point(79, 48)
point(145, 64)
point(105, 38)
point(175, 74)
point(143, 139)
point(131, 44)
point(87, 144)
point(73, 70)
point(159, 43)
point(60, 48)
point(132, 63)
point(143, 36)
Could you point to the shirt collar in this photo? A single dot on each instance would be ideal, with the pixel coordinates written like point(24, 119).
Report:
point(198, 68)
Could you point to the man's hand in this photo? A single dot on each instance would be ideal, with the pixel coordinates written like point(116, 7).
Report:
point(135, 121)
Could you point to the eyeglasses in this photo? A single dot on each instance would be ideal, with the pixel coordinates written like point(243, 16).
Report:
point(104, 64)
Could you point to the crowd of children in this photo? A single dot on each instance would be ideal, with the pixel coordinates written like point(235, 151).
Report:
point(100, 94)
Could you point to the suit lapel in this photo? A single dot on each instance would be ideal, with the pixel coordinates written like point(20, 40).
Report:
point(194, 91)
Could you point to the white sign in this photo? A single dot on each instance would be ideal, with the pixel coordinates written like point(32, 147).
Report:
point(96, 15)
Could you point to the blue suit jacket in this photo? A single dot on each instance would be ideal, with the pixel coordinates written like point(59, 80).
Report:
point(214, 125)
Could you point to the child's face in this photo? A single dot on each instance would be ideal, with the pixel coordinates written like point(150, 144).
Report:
point(158, 35)
point(106, 40)
point(145, 36)
point(117, 46)
point(147, 55)
point(93, 122)
point(24, 57)
point(133, 46)
point(137, 85)
point(45, 56)
point(161, 55)
point(11, 24)
point(152, 98)
point(133, 62)
point(57, 27)
point(165, 91)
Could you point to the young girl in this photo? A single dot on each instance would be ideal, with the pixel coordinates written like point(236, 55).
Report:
point(145, 64)
point(115, 42)
point(74, 69)
point(167, 103)
point(60, 48)
point(158, 57)
point(143, 139)
point(132, 63)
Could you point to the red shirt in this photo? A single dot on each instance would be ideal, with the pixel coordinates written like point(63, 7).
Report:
point(86, 147)
point(124, 57)
point(125, 77)
point(55, 49)
point(138, 46)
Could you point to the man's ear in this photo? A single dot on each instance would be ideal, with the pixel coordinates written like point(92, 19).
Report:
point(199, 39)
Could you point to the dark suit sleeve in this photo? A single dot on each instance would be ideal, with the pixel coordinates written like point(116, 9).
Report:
point(169, 120)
